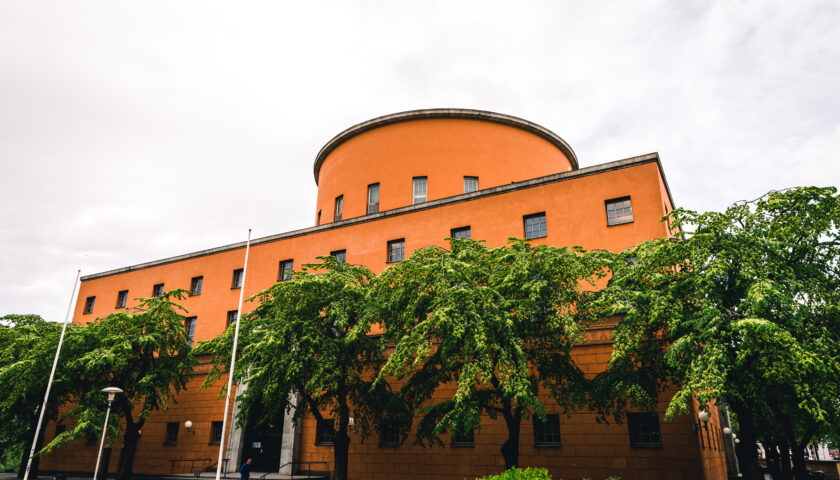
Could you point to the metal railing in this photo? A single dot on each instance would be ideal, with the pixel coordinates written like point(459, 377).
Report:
point(174, 461)
point(309, 473)
point(212, 467)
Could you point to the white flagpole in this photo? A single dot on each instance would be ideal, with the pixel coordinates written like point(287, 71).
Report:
point(232, 360)
point(52, 374)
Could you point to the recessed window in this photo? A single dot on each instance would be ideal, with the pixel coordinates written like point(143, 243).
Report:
point(463, 439)
point(122, 298)
point(396, 250)
point(171, 433)
point(189, 329)
point(89, 301)
point(619, 211)
point(470, 184)
point(285, 271)
point(390, 435)
point(340, 255)
point(419, 190)
point(373, 198)
point(231, 317)
point(157, 290)
point(535, 225)
point(644, 430)
point(460, 232)
point(324, 432)
point(547, 434)
point(237, 278)
point(195, 285)
point(59, 429)
point(339, 206)
point(90, 439)
point(216, 433)
point(318, 219)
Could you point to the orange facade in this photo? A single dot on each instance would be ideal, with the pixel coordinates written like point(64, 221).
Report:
point(522, 169)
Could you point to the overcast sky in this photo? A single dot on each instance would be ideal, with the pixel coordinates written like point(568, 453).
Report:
point(133, 131)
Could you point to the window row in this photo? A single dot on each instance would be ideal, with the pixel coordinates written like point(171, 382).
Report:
point(419, 194)
point(643, 430)
point(170, 437)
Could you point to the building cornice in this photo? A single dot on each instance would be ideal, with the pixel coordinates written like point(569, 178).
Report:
point(432, 113)
point(466, 197)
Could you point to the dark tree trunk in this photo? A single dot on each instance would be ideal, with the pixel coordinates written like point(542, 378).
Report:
point(746, 450)
point(341, 446)
point(771, 453)
point(128, 450)
point(510, 449)
point(24, 458)
point(784, 460)
point(800, 470)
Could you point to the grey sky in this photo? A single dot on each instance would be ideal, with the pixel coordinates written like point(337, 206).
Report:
point(132, 131)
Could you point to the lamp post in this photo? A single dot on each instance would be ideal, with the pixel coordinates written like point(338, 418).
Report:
point(112, 392)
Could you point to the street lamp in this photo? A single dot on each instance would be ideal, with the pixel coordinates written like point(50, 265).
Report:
point(727, 430)
point(112, 392)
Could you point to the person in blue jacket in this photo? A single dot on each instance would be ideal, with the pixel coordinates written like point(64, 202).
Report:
point(245, 470)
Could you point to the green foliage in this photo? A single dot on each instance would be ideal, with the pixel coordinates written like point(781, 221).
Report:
point(518, 474)
point(498, 324)
point(10, 457)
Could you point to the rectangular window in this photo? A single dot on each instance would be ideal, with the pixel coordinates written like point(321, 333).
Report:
point(195, 285)
point(189, 329)
point(339, 206)
point(460, 439)
point(390, 435)
point(89, 301)
point(644, 430)
point(216, 433)
point(157, 290)
point(419, 190)
point(535, 225)
point(396, 250)
point(470, 184)
point(59, 429)
point(231, 317)
point(285, 271)
point(90, 439)
point(340, 255)
point(619, 211)
point(237, 278)
point(122, 298)
point(171, 433)
point(460, 232)
point(318, 219)
point(547, 434)
point(324, 432)
point(373, 198)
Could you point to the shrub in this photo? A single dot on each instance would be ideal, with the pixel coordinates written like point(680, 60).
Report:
point(517, 474)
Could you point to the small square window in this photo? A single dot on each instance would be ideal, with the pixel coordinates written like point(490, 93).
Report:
point(547, 434)
point(216, 433)
point(285, 271)
point(461, 439)
point(195, 285)
point(189, 329)
point(644, 430)
point(339, 206)
point(122, 298)
point(373, 198)
point(340, 255)
point(59, 429)
point(470, 184)
point(171, 433)
point(419, 190)
point(90, 439)
point(390, 435)
point(157, 290)
point(238, 274)
point(619, 211)
point(89, 301)
point(231, 317)
point(460, 232)
point(396, 250)
point(535, 226)
point(324, 432)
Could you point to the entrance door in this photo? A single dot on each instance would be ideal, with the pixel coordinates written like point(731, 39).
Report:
point(263, 444)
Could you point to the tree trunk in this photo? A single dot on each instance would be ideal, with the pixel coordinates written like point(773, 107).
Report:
point(746, 450)
point(128, 450)
point(341, 447)
point(771, 453)
point(784, 460)
point(24, 458)
point(510, 449)
point(800, 470)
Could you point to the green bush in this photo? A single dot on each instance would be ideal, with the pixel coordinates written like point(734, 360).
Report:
point(517, 474)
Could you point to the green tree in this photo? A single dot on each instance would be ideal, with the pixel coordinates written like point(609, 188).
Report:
point(306, 347)
point(146, 353)
point(745, 307)
point(499, 324)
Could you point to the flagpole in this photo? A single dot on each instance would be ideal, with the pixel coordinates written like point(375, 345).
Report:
point(232, 360)
point(52, 375)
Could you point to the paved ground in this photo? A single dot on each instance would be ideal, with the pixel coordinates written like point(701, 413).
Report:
point(204, 476)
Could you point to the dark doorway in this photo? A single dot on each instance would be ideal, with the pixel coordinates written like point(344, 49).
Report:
point(262, 443)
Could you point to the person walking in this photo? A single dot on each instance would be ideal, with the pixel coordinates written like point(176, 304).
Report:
point(245, 470)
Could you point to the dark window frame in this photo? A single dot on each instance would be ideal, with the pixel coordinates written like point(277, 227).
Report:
point(373, 207)
point(469, 177)
point(229, 321)
point(171, 438)
point(535, 216)
point(342, 252)
point(324, 432)
point(462, 439)
point(90, 439)
point(195, 285)
point(216, 430)
point(60, 428)
point(89, 303)
point(238, 278)
point(398, 246)
point(157, 290)
point(414, 197)
point(547, 434)
point(122, 298)
point(190, 322)
point(282, 270)
point(636, 422)
point(339, 208)
point(453, 233)
point(389, 435)
point(614, 201)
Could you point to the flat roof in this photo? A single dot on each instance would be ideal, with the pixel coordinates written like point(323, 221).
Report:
point(534, 182)
point(428, 113)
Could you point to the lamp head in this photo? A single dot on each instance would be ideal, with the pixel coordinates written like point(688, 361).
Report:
point(727, 430)
point(188, 424)
point(112, 392)
point(703, 416)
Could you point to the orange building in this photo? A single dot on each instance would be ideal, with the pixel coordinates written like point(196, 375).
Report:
point(386, 187)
